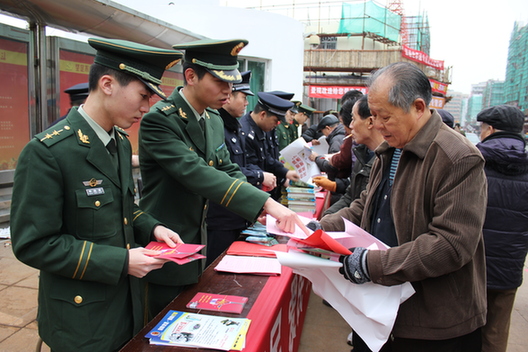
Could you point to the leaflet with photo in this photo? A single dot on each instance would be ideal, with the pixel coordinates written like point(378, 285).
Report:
point(200, 331)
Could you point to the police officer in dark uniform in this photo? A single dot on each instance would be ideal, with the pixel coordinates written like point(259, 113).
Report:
point(269, 110)
point(73, 215)
point(224, 226)
point(281, 136)
point(78, 94)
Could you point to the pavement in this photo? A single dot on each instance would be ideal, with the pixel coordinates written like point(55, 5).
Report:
point(324, 329)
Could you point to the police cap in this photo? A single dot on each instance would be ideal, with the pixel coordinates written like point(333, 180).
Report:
point(447, 118)
point(147, 63)
point(283, 95)
point(78, 92)
point(244, 85)
point(273, 104)
point(218, 57)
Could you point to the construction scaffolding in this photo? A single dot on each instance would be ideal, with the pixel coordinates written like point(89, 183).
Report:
point(353, 18)
point(374, 21)
point(516, 83)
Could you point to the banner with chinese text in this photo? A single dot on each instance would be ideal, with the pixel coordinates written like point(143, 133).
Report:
point(419, 56)
point(332, 92)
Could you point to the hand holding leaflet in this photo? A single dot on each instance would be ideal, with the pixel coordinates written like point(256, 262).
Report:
point(370, 309)
point(271, 227)
point(182, 253)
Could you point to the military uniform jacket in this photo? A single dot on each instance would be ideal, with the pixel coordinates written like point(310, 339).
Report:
point(284, 134)
point(73, 217)
point(181, 168)
point(219, 217)
point(260, 150)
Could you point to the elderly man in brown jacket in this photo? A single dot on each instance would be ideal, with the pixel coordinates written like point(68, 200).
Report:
point(427, 200)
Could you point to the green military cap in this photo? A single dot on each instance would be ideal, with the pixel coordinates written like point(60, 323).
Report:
point(306, 109)
point(218, 57)
point(147, 63)
point(295, 107)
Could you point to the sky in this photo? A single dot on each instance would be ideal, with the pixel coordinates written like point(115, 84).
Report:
point(472, 36)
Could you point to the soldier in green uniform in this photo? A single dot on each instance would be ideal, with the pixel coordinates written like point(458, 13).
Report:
point(283, 133)
point(73, 214)
point(304, 112)
point(184, 161)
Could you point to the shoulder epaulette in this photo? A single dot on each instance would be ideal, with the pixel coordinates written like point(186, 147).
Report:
point(57, 134)
point(166, 107)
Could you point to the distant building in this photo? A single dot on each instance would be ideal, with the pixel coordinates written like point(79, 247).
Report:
point(516, 84)
point(346, 41)
point(493, 94)
point(474, 107)
point(457, 106)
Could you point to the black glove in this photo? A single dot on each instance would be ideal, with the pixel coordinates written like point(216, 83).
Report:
point(314, 225)
point(355, 266)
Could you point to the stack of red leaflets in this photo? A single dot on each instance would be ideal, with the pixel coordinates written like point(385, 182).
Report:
point(256, 250)
point(183, 253)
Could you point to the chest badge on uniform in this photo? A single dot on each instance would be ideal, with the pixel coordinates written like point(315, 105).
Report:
point(92, 183)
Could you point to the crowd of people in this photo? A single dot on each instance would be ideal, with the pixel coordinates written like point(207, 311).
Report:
point(453, 214)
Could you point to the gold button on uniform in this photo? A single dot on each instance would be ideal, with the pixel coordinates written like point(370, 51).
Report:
point(78, 299)
point(128, 246)
point(97, 203)
point(125, 221)
point(211, 163)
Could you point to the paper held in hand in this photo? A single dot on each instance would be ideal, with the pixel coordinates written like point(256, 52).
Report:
point(181, 254)
point(296, 156)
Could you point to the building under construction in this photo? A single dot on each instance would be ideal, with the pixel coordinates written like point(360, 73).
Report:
point(516, 83)
point(346, 41)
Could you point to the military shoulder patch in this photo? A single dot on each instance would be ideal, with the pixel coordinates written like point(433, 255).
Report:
point(54, 135)
point(166, 107)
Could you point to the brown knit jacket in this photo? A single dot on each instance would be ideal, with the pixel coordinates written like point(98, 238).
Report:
point(438, 204)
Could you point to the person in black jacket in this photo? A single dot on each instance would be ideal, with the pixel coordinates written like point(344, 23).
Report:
point(224, 226)
point(335, 135)
point(269, 110)
point(506, 225)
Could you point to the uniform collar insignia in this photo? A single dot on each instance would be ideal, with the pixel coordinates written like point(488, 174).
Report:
point(82, 137)
point(182, 113)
